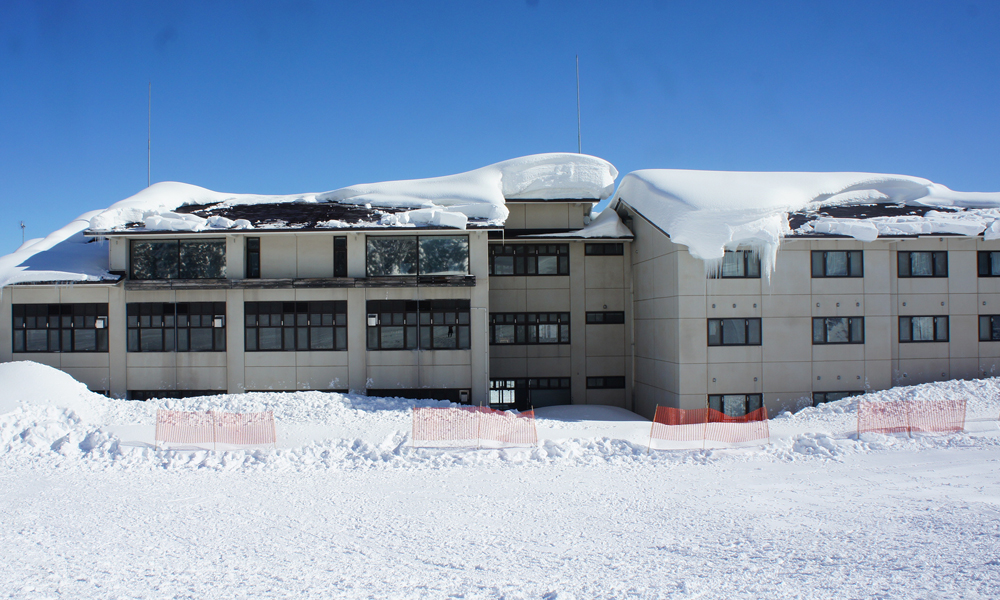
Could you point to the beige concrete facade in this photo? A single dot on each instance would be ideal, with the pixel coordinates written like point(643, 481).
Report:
point(674, 298)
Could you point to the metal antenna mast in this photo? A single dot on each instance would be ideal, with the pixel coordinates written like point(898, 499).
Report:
point(579, 139)
point(149, 136)
point(22, 233)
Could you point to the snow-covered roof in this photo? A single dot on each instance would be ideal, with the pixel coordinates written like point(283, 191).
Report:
point(711, 211)
point(451, 201)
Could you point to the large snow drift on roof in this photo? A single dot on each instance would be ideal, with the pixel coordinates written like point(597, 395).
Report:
point(449, 201)
point(711, 211)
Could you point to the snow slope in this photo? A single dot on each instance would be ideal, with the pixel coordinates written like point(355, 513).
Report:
point(711, 211)
point(345, 508)
point(449, 201)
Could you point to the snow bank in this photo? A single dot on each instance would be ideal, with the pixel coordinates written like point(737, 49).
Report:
point(607, 224)
point(47, 418)
point(448, 202)
point(712, 211)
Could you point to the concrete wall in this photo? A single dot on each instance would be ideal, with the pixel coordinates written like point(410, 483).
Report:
point(674, 365)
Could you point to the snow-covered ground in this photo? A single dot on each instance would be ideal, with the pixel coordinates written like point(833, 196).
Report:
point(345, 508)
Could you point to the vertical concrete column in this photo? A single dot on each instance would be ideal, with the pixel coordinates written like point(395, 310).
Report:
point(578, 322)
point(479, 338)
point(117, 341)
point(6, 326)
point(235, 344)
point(629, 316)
point(235, 255)
point(357, 355)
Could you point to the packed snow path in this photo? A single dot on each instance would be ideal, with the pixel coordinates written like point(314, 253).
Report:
point(345, 508)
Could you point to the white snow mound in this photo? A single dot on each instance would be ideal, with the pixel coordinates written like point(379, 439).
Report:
point(712, 211)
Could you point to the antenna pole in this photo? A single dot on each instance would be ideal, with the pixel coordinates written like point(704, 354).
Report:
point(22, 233)
point(149, 136)
point(579, 139)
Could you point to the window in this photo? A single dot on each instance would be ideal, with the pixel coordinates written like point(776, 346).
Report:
point(734, 332)
point(417, 255)
point(923, 264)
point(837, 263)
point(144, 395)
point(183, 259)
point(923, 329)
point(605, 383)
point(606, 317)
point(181, 327)
point(529, 328)
point(737, 264)
point(424, 324)
point(295, 326)
point(604, 249)
point(340, 256)
point(735, 405)
point(529, 259)
point(989, 328)
point(527, 393)
point(839, 330)
point(824, 397)
point(989, 264)
point(60, 327)
point(253, 258)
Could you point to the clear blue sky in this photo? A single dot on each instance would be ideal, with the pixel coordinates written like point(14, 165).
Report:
point(285, 97)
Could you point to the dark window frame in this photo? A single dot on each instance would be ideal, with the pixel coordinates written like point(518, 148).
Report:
point(986, 264)
point(605, 317)
point(747, 334)
point(604, 249)
point(908, 327)
point(418, 269)
point(524, 324)
point(606, 382)
point(820, 266)
point(61, 322)
point(850, 331)
point(419, 321)
point(750, 265)
point(177, 324)
point(822, 397)
point(340, 256)
point(517, 390)
point(295, 324)
point(904, 264)
point(253, 258)
point(751, 402)
point(524, 259)
point(180, 264)
point(990, 324)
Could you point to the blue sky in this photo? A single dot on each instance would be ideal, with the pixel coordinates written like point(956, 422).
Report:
point(285, 97)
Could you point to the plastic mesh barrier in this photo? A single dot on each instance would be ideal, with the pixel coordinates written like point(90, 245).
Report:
point(689, 428)
point(181, 427)
point(908, 416)
point(468, 426)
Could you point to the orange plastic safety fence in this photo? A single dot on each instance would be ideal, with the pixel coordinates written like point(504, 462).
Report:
point(907, 416)
point(183, 427)
point(705, 424)
point(466, 426)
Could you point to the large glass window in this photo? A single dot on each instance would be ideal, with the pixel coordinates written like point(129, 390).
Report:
point(605, 317)
point(838, 330)
point(735, 405)
point(340, 256)
point(529, 259)
point(253, 258)
point(527, 393)
point(989, 264)
point(923, 329)
point(178, 259)
point(295, 326)
point(180, 327)
point(837, 263)
point(989, 328)
point(606, 383)
point(424, 324)
point(738, 264)
point(418, 255)
point(529, 328)
point(922, 264)
point(60, 327)
point(734, 332)
point(604, 249)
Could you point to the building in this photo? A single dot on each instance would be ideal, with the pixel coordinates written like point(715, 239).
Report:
point(476, 288)
point(729, 290)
